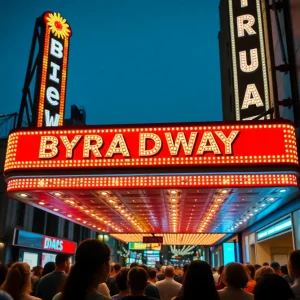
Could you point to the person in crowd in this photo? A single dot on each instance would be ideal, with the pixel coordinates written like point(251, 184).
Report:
point(216, 275)
point(3, 273)
point(90, 269)
point(257, 266)
point(36, 273)
point(265, 264)
point(121, 280)
point(150, 290)
point(294, 271)
point(161, 275)
point(52, 283)
point(160, 272)
point(48, 268)
point(220, 285)
point(250, 270)
point(236, 279)
point(152, 276)
point(276, 267)
point(178, 274)
point(18, 282)
point(111, 282)
point(181, 278)
point(137, 282)
point(273, 287)
point(168, 288)
point(262, 271)
point(134, 264)
point(5, 296)
point(285, 274)
point(198, 281)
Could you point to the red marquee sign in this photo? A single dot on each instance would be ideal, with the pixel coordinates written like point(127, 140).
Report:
point(153, 146)
point(58, 245)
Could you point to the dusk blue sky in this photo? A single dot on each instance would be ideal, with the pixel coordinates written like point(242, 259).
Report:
point(130, 61)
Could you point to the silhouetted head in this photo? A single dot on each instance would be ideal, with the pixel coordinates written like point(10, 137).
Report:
point(235, 276)
point(251, 270)
point(169, 271)
point(63, 261)
point(294, 264)
point(257, 266)
point(199, 278)
point(121, 279)
point(262, 271)
point(272, 287)
point(90, 269)
point(18, 283)
point(48, 268)
point(137, 279)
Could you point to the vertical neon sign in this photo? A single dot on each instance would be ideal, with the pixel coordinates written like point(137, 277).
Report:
point(251, 88)
point(53, 72)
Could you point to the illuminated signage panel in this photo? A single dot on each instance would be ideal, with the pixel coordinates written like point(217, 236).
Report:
point(52, 91)
point(251, 91)
point(34, 240)
point(94, 147)
point(275, 229)
point(143, 246)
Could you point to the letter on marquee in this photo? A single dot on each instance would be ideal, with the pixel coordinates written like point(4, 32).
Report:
point(52, 95)
point(227, 140)
point(244, 3)
point(70, 145)
point(48, 147)
point(51, 121)
point(208, 143)
point(251, 97)
point(118, 140)
point(143, 144)
point(180, 139)
point(56, 48)
point(254, 61)
point(87, 146)
point(55, 68)
point(242, 26)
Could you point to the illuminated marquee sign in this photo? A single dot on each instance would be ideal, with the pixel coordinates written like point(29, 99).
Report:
point(248, 57)
point(52, 82)
point(38, 241)
point(58, 245)
point(179, 145)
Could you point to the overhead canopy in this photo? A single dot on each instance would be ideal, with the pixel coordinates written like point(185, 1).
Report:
point(209, 179)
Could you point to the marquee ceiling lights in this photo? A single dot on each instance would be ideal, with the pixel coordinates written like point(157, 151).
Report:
point(174, 239)
point(157, 210)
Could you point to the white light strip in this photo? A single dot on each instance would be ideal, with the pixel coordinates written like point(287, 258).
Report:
point(235, 77)
point(263, 59)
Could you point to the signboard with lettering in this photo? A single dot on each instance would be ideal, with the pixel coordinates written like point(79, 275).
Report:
point(51, 84)
point(132, 147)
point(251, 90)
point(143, 246)
point(38, 241)
point(153, 239)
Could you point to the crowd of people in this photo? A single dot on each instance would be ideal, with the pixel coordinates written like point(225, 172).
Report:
point(93, 277)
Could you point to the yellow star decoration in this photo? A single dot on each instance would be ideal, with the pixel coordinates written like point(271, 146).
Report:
point(58, 25)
